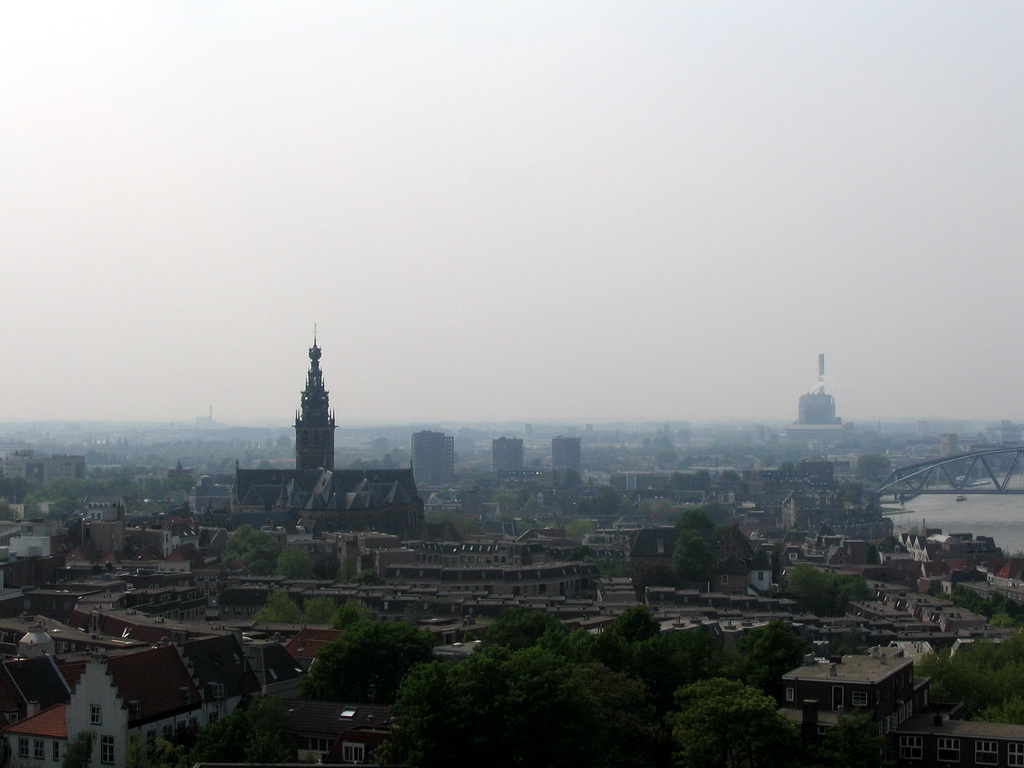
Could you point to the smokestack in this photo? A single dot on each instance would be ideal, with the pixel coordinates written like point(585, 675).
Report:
point(821, 367)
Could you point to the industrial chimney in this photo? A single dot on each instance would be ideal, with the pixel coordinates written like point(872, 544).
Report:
point(821, 367)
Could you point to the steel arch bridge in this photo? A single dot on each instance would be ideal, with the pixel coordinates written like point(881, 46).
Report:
point(981, 472)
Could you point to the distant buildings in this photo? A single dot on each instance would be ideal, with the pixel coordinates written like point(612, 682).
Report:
point(433, 458)
point(565, 454)
point(26, 464)
point(507, 454)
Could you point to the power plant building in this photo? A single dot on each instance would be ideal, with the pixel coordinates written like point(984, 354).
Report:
point(816, 415)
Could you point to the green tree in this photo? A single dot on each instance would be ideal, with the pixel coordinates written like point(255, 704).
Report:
point(985, 676)
point(367, 663)
point(522, 627)
point(725, 724)
point(256, 734)
point(632, 735)
point(671, 660)
point(498, 708)
point(633, 625)
point(257, 550)
point(825, 593)
point(695, 519)
point(294, 563)
point(692, 558)
point(767, 653)
point(854, 742)
point(351, 612)
point(319, 610)
point(79, 751)
point(577, 529)
point(280, 609)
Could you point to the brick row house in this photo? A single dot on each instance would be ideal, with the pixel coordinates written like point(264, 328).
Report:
point(920, 732)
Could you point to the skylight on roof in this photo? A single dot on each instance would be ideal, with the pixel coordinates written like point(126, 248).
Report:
point(348, 713)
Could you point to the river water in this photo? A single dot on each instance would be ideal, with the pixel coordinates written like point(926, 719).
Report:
point(1001, 517)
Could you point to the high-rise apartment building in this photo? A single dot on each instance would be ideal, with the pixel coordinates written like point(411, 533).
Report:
point(507, 454)
point(433, 458)
point(565, 454)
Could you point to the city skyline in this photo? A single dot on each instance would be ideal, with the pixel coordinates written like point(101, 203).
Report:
point(568, 212)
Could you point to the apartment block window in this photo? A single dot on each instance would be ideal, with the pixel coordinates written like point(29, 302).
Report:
point(1015, 753)
point(911, 747)
point(38, 749)
point(107, 750)
point(95, 715)
point(949, 750)
point(986, 752)
point(860, 698)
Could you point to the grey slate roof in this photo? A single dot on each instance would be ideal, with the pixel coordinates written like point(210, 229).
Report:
point(271, 663)
point(38, 680)
point(221, 660)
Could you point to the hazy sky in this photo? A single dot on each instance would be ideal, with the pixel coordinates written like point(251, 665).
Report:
point(581, 211)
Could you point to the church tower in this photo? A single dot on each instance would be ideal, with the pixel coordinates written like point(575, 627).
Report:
point(314, 422)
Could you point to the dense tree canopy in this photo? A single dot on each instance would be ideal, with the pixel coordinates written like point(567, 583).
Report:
point(987, 677)
point(256, 734)
point(280, 609)
point(294, 563)
point(501, 708)
point(522, 627)
point(766, 654)
point(725, 724)
point(825, 593)
point(257, 549)
point(367, 663)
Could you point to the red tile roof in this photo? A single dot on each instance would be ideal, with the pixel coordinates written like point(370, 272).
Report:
point(71, 671)
point(52, 722)
point(156, 678)
point(308, 641)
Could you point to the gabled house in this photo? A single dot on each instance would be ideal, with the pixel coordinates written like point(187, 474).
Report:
point(149, 693)
point(28, 686)
point(40, 740)
point(222, 672)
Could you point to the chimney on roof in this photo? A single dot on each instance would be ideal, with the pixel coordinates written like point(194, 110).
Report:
point(31, 708)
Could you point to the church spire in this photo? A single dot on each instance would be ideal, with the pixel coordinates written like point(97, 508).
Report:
point(314, 421)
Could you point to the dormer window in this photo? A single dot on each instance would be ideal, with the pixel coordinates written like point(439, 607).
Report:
point(187, 693)
point(134, 708)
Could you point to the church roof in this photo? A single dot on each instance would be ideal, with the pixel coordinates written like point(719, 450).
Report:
point(344, 489)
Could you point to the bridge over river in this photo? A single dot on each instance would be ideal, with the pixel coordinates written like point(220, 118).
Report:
point(996, 471)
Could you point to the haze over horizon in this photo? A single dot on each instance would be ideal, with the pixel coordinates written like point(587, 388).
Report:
point(558, 211)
